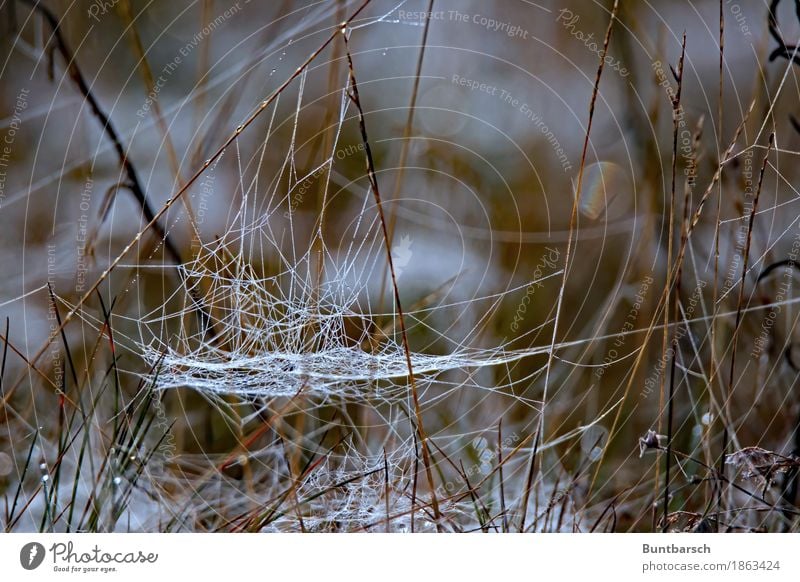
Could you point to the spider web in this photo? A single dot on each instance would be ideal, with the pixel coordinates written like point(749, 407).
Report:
point(311, 325)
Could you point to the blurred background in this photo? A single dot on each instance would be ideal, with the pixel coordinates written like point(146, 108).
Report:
point(675, 314)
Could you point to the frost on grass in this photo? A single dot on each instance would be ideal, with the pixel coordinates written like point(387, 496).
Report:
point(353, 492)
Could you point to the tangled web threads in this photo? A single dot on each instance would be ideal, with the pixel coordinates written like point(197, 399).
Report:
point(281, 320)
point(276, 339)
point(353, 492)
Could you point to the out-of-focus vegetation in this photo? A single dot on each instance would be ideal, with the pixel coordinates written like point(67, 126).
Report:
point(422, 265)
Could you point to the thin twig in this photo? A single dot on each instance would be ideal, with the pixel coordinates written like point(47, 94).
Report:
point(373, 179)
point(574, 214)
point(152, 224)
point(676, 121)
point(730, 388)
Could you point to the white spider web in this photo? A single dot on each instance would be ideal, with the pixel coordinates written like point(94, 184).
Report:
point(311, 324)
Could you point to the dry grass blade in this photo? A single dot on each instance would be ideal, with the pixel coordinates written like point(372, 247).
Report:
point(426, 456)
